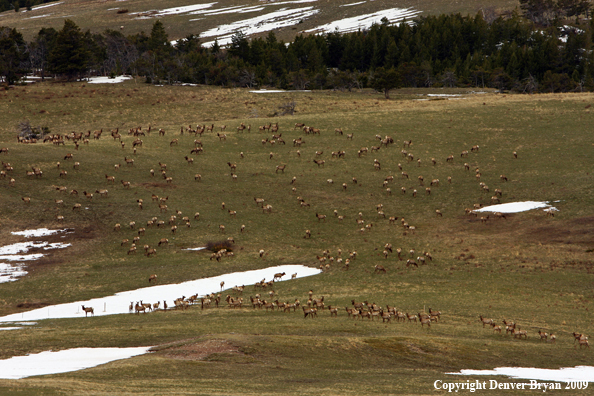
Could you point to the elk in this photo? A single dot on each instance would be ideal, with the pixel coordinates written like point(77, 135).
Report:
point(278, 276)
point(578, 337)
point(520, 333)
point(321, 217)
point(88, 310)
point(486, 321)
point(379, 269)
point(411, 317)
point(280, 168)
point(436, 314)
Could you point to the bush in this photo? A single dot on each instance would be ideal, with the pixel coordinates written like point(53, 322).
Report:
point(218, 246)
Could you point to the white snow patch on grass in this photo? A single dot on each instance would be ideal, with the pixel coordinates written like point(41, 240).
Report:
point(22, 257)
point(291, 2)
point(11, 273)
point(45, 6)
point(39, 232)
point(353, 4)
point(268, 91)
point(182, 10)
point(565, 374)
point(232, 10)
point(50, 362)
point(107, 80)
point(365, 21)
point(39, 16)
point(119, 303)
point(261, 23)
point(22, 247)
point(516, 207)
point(279, 91)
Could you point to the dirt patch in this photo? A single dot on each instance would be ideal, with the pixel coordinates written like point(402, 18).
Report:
point(199, 350)
point(584, 221)
point(73, 236)
point(157, 185)
point(33, 305)
point(577, 231)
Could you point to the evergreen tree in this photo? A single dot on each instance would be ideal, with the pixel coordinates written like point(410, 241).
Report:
point(385, 80)
point(12, 55)
point(240, 46)
point(69, 55)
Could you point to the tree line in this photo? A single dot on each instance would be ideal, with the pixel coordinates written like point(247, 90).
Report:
point(508, 53)
point(17, 5)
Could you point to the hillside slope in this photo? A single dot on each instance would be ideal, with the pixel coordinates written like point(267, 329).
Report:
point(220, 19)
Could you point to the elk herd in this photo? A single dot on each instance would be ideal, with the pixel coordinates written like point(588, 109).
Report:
point(312, 306)
point(513, 329)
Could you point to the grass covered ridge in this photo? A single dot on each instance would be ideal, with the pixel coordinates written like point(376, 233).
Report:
point(533, 269)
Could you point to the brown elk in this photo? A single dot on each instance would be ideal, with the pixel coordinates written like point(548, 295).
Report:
point(88, 310)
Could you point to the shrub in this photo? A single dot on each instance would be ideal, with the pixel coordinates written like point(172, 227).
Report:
point(219, 245)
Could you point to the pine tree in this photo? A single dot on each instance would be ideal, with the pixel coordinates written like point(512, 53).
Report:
point(385, 80)
point(69, 56)
point(12, 54)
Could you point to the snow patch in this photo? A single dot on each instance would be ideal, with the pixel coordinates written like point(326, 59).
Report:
point(516, 207)
point(39, 232)
point(279, 91)
point(182, 10)
point(50, 362)
point(10, 273)
point(261, 23)
point(565, 374)
point(39, 16)
point(107, 80)
point(45, 6)
point(353, 4)
point(119, 303)
point(394, 15)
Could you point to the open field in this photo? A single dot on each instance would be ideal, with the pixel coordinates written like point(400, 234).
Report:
point(535, 270)
point(182, 18)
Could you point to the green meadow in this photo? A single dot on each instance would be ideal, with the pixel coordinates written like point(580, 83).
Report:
point(533, 269)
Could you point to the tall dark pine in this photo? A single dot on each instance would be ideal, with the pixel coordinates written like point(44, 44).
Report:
point(12, 54)
point(69, 56)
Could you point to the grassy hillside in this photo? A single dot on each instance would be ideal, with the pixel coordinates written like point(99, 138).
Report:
point(530, 268)
point(98, 16)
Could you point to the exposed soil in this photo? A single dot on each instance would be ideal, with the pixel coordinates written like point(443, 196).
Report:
point(199, 350)
point(157, 185)
point(578, 231)
point(55, 256)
